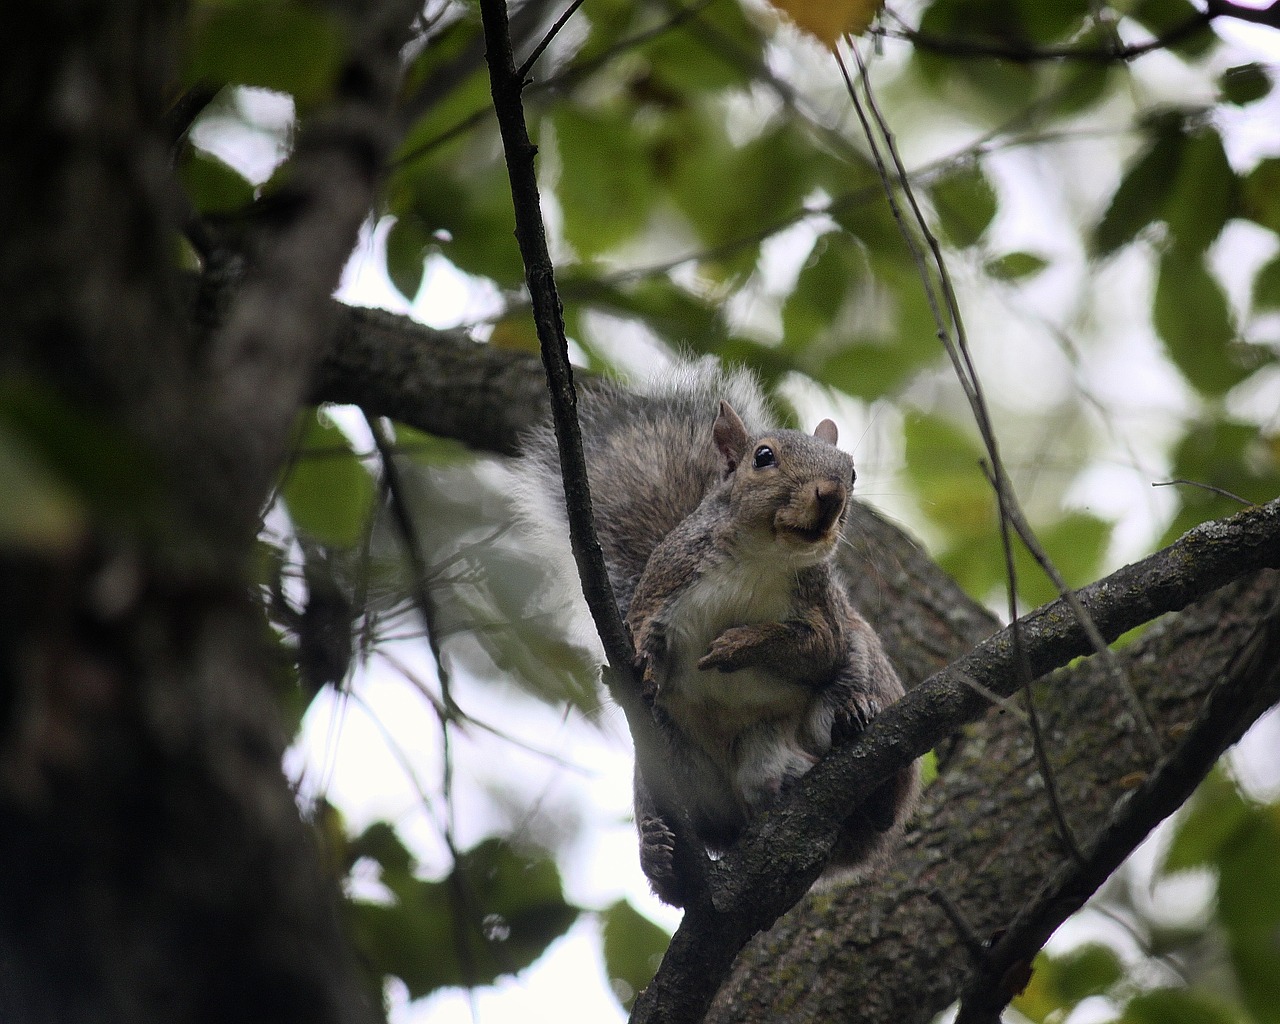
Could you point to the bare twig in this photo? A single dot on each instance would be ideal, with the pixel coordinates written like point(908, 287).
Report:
point(418, 567)
point(1065, 832)
point(957, 348)
point(545, 41)
point(619, 675)
point(1203, 486)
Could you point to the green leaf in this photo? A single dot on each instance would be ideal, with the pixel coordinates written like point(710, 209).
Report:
point(328, 492)
point(942, 461)
point(1059, 983)
point(1262, 194)
point(1001, 83)
point(472, 225)
point(605, 188)
point(1215, 815)
point(966, 204)
point(1162, 17)
point(511, 910)
point(407, 243)
point(633, 948)
point(1233, 456)
point(1249, 907)
point(1205, 192)
point(1178, 1006)
point(827, 283)
point(1088, 971)
point(1046, 23)
point(275, 44)
point(891, 338)
point(1075, 86)
point(1266, 287)
point(213, 186)
point(1244, 84)
point(1192, 317)
point(1141, 195)
point(1075, 544)
point(673, 313)
point(1014, 266)
point(727, 191)
point(717, 49)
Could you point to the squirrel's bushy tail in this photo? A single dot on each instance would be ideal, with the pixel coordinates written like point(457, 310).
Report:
point(650, 460)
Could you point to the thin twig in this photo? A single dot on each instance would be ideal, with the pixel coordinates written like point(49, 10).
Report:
point(619, 674)
point(1118, 675)
point(418, 567)
point(958, 350)
point(1207, 487)
point(1065, 832)
point(554, 31)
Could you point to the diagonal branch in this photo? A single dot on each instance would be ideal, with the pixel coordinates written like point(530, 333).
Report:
point(784, 851)
point(1248, 689)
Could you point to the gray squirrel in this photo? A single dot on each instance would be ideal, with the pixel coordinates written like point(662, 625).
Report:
point(719, 531)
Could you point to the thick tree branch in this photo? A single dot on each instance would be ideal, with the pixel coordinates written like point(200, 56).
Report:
point(984, 839)
point(260, 359)
point(1249, 686)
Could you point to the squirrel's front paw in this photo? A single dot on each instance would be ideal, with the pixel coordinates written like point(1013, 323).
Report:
point(853, 717)
point(731, 650)
point(657, 859)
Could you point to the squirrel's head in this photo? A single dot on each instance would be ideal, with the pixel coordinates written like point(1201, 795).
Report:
point(789, 484)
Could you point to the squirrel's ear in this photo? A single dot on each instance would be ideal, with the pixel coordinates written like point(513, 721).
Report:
point(730, 436)
point(826, 431)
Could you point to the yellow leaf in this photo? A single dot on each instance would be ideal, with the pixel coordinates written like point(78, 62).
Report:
point(516, 333)
point(828, 20)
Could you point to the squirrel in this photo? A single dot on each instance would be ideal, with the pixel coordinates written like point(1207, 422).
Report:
point(719, 531)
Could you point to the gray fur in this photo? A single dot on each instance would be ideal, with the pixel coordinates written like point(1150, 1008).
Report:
point(754, 660)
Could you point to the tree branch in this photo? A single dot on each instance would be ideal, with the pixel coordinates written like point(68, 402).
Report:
point(1249, 687)
point(991, 49)
point(784, 851)
point(259, 360)
point(983, 836)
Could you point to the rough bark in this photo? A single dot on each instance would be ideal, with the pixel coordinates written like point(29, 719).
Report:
point(156, 867)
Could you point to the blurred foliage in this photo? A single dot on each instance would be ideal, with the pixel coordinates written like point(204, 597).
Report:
point(708, 189)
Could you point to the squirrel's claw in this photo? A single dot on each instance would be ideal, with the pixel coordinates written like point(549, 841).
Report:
point(852, 717)
point(657, 859)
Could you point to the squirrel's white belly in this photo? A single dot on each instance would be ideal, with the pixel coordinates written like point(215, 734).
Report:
point(749, 721)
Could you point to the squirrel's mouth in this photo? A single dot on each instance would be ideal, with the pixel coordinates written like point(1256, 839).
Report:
point(811, 534)
point(808, 536)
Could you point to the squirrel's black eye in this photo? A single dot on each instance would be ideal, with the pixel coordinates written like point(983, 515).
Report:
point(853, 477)
point(764, 457)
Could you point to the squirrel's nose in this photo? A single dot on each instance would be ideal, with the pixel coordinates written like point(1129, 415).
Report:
point(830, 496)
